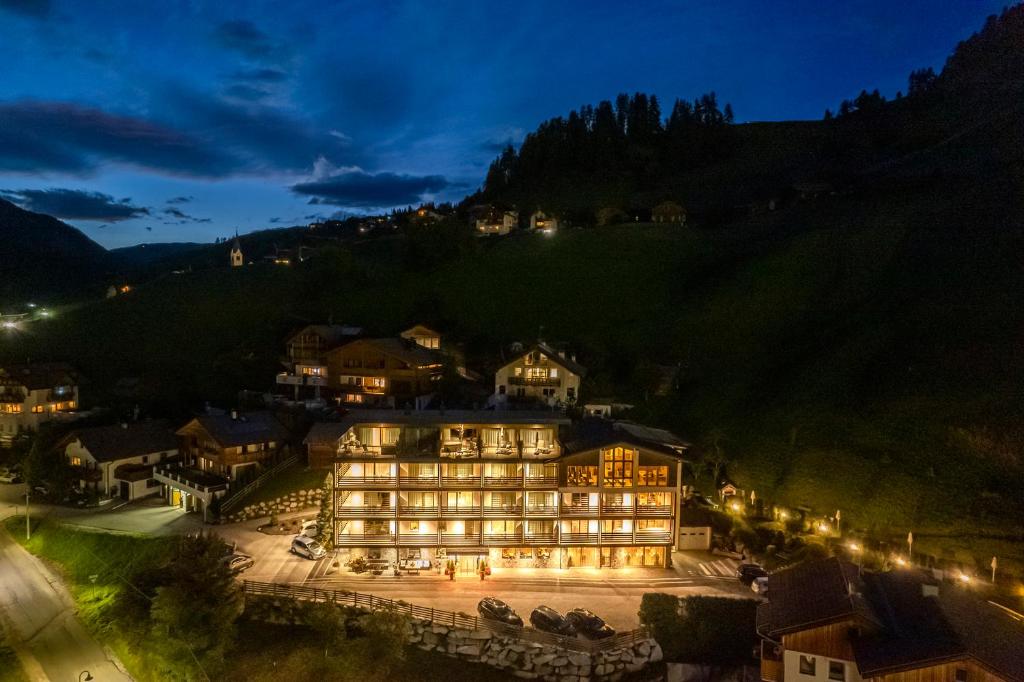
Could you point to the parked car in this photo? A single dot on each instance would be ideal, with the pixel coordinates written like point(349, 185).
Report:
point(42, 490)
point(9, 477)
point(237, 563)
point(760, 586)
point(747, 573)
point(310, 529)
point(589, 624)
point(547, 619)
point(307, 547)
point(495, 609)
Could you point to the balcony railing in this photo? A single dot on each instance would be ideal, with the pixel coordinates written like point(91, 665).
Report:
point(503, 481)
point(534, 381)
point(645, 536)
point(503, 510)
point(363, 511)
point(617, 509)
point(460, 539)
point(541, 509)
point(578, 538)
point(542, 538)
point(460, 511)
point(499, 538)
point(418, 481)
point(579, 510)
point(654, 510)
point(200, 481)
point(461, 481)
point(418, 539)
point(617, 536)
point(359, 539)
point(541, 481)
point(350, 481)
point(416, 511)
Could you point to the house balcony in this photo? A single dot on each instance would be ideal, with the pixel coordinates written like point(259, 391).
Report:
point(620, 537)
point(578, 538)
point(361, 481)
point(189, 479)
point(460, 512)
point(617, 509)
point(460, 539)
point(503, 510)
point(417, 512)
point(654, 510)
point(579, 510)
point(286, 379)
point(535, 381)
point(503, 481)
point(541, 510)
point(418, 481)
point(502, 538)
point(649, 536)
point(363, 540)
point(363, 512)
point(542, 481)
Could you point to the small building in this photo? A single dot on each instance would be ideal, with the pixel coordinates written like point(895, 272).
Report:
point(605, 408)
point(668, 212)
point(831, 620)
point(216, 450)
point(395, 372)
point(495, 222)
point(423, 336)
point(33, 393)
point(237, 260)
point(117, 460)
point(540, 374)
point(306, 360)
point(544, 222)
point(695, 529)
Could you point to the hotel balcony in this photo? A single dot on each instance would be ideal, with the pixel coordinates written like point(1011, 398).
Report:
point(654, 510)
point(363, 511)
point(619, 537)
point(534, 381)
point(502, 538)
point(579, 510)
point(418, 481)
point(460, 539)
point(503, 481)
point(460, 512)
point(541, 510)
point(542, 481)
point(460, 481)
point(350, 481)
point(617, 509)
point(418, 539)
point(417, 512)
point(578, 538)
point(541, 538)
point(503, 510)
point(652, 536)
point(361, 540)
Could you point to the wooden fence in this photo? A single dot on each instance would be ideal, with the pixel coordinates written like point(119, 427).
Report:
point(441, 617)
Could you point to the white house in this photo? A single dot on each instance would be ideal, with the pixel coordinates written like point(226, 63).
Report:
point(117, 460)
point(540, 374)
point(543, 222)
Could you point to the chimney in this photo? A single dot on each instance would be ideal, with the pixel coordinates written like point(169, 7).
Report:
point(234, 415)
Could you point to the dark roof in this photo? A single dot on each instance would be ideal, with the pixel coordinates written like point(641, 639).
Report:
point(553, 355)
point(247, 429)
point(591, 434)
point(945, 624)
point(332, 334)
point(419, 330)
point(405, 350)
point(815, 593)
point(325, 433)
point(114, 442)
point(694, 516)
point(37, 376)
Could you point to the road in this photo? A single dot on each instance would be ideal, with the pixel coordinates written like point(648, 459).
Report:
point(39, 616)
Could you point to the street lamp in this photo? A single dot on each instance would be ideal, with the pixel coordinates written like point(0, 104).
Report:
point(85, 676)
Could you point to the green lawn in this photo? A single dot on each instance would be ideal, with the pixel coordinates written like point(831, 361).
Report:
point(290, 480)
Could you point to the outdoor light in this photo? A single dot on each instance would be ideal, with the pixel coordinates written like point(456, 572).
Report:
point(964, 578)
point(900, 561)
point(854, 547)
point(783, 515)
point(822, 527)
point(735, 506)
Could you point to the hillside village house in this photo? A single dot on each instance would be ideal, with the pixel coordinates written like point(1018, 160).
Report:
point(668, 212)
point(306, 356)
point(495, 222)
point(424, 336)
point(117, 460)
point(540, 374)
point(389, 371)
point(517, 489)
point(829, 620)
point(31, 394)
point(215, 451)
point(544, 222)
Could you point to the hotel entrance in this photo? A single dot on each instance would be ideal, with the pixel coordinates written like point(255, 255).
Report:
point(640, 557)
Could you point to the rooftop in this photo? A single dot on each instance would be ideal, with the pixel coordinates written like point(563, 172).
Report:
point(36, 376)
point(591, 434)
point(121, 441)
point(329, 432)
point(245, 429)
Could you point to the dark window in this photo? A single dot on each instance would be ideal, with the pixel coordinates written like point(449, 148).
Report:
point(960, 675)
point(836, 671)
point(808, 665)
point(501, 389)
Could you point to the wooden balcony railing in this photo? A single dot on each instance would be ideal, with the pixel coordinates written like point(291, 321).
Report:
point(534, 381)
point(617, 509)
point(541, 509)
point(500, 538)
point(418, 481)
point(417, 511)
point(460, 511)
point(579, 510)
point(460, 539)
point(359, 539)
point(578, 538)
point(350, 481)
point(541, 481)
point(503, 481)
point(617, 536)
point(542, 538)
point(504, 510)
point(363, 511)
point(460, 481)
point(647, 536)
point(418, 539)
point(654, 510)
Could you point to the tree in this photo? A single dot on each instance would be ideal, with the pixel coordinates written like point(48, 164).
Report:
point(386, 632)
point(45, 465)
point(921, 81)
point(714, 458)
point(327, 620)
point(325, 519)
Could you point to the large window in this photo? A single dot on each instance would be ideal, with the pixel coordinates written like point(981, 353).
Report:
point(653, 500)
point(581, 476)
point(652, 475)
point(618, 467)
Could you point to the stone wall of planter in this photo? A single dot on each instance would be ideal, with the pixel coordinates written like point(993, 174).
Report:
point(293, 502)
point(520, 657)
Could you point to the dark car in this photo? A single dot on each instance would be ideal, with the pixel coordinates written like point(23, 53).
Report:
point(495, 609)
point(589, 624)
point(547, 619)
point(237, 563)
point(747, 573)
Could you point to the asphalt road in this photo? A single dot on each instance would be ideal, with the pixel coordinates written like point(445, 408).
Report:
point(39, 615)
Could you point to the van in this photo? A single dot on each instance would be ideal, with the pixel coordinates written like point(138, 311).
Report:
point(307, 547)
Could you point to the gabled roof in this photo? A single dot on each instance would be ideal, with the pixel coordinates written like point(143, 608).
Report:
point(35, 376)
point(815, 593)
point(247, 429)
point(117, 441)
point(332, 334)
point(405, 350)
point(552, 355)
point(418, 330)
point(592, 434)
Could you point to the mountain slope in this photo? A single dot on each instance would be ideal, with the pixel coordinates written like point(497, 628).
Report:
point(41, 256)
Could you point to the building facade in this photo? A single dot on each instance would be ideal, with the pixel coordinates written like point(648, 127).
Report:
point(305, 362)
point(495, 222)
point(497, 486)
point(541, 374)
point(118, 460)
point(395, 372)
point(31, 394)
point(423, 335)
point(544, 222)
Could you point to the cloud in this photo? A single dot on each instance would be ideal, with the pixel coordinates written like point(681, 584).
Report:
point(246, 39)
point(355, 187)
point(179, 200)
point(37, 137)
point(73, 204)
point(183, 217)
point(28, 8)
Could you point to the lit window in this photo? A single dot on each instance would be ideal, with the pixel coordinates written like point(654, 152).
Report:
point(836, 671)
point(808, 664)
point(554, 373)
point(76, 461)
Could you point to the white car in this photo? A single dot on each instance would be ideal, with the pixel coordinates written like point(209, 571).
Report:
point(760, 586)
point(307, 547)
point(310, 529)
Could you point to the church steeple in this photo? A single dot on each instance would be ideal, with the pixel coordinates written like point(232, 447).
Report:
point(237, 260)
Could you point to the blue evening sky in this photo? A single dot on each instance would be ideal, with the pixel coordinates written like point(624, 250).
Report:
point(183, 121)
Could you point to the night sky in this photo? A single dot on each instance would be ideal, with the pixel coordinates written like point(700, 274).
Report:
point(189, 120)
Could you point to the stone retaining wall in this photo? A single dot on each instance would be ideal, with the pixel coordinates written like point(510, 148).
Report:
point(292, 502)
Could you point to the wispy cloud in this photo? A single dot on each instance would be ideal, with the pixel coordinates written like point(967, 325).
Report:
point(73, 204)
point(358, 188)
